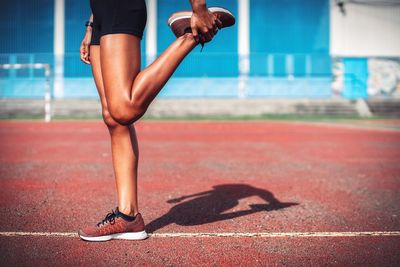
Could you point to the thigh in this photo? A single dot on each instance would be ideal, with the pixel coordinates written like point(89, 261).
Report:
point(120, 64)
point(98, 79)
point(97, 75)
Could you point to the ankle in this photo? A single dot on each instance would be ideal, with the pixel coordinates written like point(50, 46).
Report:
point(188, 37)
point(128, 211)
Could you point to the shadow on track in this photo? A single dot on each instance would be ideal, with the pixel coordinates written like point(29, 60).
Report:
point(209, 206)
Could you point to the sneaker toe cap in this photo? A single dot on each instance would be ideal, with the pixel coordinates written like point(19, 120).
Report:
point(87, 231)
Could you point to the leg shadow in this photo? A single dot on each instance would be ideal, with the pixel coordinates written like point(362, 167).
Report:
point(209, 206)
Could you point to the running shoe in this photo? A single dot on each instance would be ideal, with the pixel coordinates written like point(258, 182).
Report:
point(115, 225)
point(180, 21)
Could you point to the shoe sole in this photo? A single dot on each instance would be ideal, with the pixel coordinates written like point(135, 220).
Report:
point(122, 236)
point(188, 14)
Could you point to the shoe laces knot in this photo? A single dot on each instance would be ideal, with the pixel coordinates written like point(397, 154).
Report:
point(110, 218)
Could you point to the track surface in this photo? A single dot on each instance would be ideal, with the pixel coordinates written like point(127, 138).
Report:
point(237, 178)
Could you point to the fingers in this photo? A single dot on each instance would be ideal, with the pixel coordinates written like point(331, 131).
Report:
point(203, 39)
point(214, 28)
point(194, 25)
point(215, 25)
point(205, 27)
point(209, 33)
point(219, 23)
point(211, 29)
point(85, 53)
point(85, 58)
point(195, 34)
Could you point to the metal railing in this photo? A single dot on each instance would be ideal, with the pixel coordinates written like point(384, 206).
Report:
point(213, 74)
point(47, 89)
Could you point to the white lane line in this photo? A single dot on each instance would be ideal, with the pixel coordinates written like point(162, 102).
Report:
point(38, 234)
point(262, 234)
point(272, 234)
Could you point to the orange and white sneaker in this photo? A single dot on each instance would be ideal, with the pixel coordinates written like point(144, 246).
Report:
point(115, 225)
point(180, 21)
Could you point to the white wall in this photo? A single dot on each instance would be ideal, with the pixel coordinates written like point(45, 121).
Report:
point(365, 30)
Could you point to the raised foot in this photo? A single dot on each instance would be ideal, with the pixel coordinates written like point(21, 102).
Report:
point(180, 21)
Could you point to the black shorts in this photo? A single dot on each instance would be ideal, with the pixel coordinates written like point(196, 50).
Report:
point(117, 16)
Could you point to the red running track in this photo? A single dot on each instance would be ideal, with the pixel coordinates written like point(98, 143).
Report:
point(204, 177)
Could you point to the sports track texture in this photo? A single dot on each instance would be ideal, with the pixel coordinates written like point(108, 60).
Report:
point(221, 193)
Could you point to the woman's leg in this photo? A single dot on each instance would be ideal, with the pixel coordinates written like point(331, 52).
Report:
point(128, 91)
point(125, 152)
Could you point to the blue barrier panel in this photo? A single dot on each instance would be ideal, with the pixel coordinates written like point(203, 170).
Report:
point(289, 27)
point(355, 78)
point(26, 26)
point(77, 12)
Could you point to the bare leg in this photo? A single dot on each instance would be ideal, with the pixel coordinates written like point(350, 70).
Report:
point(128, 92)
point(125, 152)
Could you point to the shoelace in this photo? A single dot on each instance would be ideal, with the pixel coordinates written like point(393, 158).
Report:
point(202, 46)
point(110, 218)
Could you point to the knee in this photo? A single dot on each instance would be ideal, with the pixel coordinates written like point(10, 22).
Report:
point(126, 115)
point(109, 120)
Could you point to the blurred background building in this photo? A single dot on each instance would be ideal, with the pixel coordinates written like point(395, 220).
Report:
point(278, 49)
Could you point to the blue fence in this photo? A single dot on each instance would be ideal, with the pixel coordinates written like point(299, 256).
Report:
point(289, 44)
point(283, 76)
